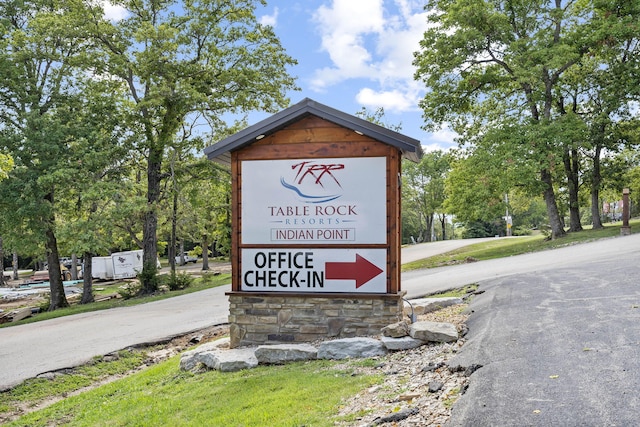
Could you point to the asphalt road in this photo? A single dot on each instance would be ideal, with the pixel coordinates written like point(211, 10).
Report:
point(559, 345)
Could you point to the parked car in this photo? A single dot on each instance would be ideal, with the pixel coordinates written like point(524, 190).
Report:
point(187, 259)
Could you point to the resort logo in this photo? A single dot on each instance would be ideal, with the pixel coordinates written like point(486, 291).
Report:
point(314, 182)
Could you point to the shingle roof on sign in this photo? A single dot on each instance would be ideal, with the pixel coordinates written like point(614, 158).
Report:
point(221, 151)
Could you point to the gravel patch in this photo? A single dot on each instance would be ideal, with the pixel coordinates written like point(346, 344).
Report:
point(418, 389)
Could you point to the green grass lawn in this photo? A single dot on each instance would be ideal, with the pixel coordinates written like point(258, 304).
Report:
point(296, 394)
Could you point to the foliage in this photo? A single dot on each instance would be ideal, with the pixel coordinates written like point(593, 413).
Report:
point(6, 164)
point(129, 290)
point(44, 55)
point(474, 229)
point(178, 281)
point(183, 65)
point(424, 190)
point(505, 76)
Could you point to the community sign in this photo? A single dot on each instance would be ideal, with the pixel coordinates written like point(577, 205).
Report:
point(337, 202)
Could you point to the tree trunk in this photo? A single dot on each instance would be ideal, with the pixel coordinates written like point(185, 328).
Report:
point(174, 227)
point(205, 252)
point(148, 277)
point(428, 228)
point(14, 264)
point(443, 224)
point(2, 282)
point(596, 179)
point(571, 168)
point(58, 298)
point(87, 279)
point(74, 266)
point(555, 222)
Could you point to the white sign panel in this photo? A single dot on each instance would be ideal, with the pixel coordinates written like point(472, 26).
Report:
point(314, 270)
point(314, 201)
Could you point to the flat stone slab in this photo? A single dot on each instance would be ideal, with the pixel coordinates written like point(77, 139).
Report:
point(283, 353)
point(434, 331)
point(427, 305)
point(229, 360)
point(401, 343)
point(345, 348)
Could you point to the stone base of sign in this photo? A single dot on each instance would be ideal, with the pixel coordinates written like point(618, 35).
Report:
point(256, 319)
point(625, 231)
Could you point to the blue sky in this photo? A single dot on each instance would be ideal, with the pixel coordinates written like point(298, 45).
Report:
point(353, 54)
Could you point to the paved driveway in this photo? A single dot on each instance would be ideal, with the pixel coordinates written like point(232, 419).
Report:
point(558, 346)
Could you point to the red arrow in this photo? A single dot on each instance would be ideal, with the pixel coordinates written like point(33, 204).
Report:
point(361, 271)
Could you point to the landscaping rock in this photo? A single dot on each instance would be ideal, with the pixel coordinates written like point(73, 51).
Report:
point(229, 360)
point(434, 331)
point(402, 343)
point(190, 359)
point(396, 330)
point(351, 348)
point(282, 353)
point(427, 305)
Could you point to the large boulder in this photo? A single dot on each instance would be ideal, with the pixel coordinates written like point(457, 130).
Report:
point(434, 331)
point(229, 360)
point(401, 343)
point(283, 353)
point(189, 360)
point(351, 348)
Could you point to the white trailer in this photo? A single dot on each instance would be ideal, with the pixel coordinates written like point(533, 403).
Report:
point(126, 265)
point(102, 267)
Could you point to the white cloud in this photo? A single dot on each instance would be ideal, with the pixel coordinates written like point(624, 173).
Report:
point(113, 12)
point(392, 100)
point(372, 40)
point(444, 136)
point(270, 20)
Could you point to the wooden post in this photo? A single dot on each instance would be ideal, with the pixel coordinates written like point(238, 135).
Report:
point(626, 229)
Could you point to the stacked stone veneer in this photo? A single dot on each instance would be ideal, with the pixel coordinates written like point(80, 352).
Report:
point(276, 319)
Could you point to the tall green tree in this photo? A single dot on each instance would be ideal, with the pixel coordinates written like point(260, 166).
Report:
point(43, 51)
point(424, 188)
point(179, 58)
point(6, 164)
point(485, 62)
point(98, 166)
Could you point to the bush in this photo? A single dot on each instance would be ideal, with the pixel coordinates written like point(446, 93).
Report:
point(179, 281)
point(209, 276)
point(129, 290)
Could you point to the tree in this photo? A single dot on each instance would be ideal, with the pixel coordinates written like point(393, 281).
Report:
point(181, 58)
point(6, 164)
point(42, 54)
point(97, 169)
point(423, 191)
point(475, 188)
point(490, 61)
